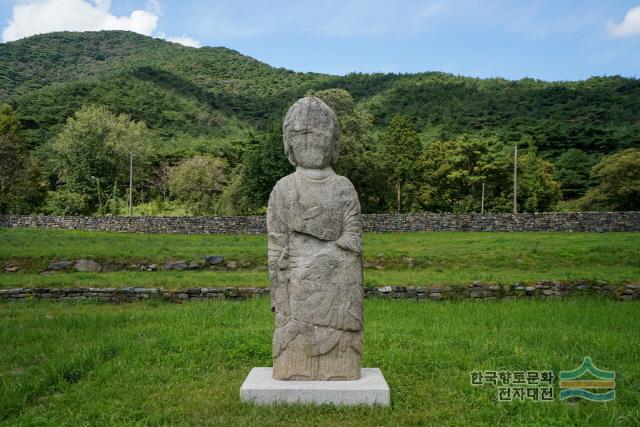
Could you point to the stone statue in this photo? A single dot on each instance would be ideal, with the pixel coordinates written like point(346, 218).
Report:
point(315, 254)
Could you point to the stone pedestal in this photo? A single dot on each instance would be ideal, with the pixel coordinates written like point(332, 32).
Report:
point(371, 389)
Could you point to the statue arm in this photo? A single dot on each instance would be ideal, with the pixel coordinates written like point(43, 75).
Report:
point(351, 238)
point(278, 242)
point(277, 231)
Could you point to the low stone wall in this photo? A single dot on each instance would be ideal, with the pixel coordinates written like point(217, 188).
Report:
point(143, 224)
point(547, 221)
point(549, 290)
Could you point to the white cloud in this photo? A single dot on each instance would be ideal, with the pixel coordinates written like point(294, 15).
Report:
point(629, 26)
point(184, 40)
point(44, 16)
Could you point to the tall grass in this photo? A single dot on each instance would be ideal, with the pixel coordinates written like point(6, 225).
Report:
point(154, 363)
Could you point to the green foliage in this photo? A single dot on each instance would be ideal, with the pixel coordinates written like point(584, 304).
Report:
point(115, 203)
point(156, 207)
point(598, 115)
point(198, 183)
point(537, 189)
point(9, 123)
point(65, 202)
point(401, 148)
point(572, 172)
point(21, 190)
point(215, 101)
point(264, 164)
point(217, 91)
point(453, 172)
point(618, 178)
point(97, 145)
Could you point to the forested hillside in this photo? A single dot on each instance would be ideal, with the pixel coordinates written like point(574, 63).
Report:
point(220, 104)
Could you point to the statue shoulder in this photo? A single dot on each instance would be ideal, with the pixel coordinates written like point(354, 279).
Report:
point(283, 186)
point(344, 185)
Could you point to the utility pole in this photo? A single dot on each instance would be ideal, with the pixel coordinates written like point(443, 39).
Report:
point(482, 203)
point(515, 179)
point(131, 183)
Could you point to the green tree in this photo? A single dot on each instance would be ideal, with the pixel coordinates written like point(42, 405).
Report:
point(21, 189)
point(572, 172)
point(96, 144)
point(538, 191)
point(401, 148)
point(198, 183)
point(65, 202)
point(453, 172)
point(618, 183)
point(263, 165)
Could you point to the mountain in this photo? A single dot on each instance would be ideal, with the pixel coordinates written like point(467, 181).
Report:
point(217, 94)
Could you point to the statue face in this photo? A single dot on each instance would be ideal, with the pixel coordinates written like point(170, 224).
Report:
point(312, 147)
point(311, 134)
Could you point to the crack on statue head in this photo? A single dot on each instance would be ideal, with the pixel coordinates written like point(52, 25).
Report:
point(311, 134)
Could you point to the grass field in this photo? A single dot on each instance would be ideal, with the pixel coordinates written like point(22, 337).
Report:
point(156, 363)
point(395, 258)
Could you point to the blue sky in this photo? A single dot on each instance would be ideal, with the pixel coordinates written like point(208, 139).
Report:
point(550, 40)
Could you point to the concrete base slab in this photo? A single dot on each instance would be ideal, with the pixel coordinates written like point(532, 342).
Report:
point(371, 389)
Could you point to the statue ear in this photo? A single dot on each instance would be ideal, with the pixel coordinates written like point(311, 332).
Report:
point(336, 152)
point(292, 158)
point(336, 147)
point(288, 149)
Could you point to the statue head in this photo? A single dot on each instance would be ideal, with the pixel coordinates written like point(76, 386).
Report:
point(311, 134)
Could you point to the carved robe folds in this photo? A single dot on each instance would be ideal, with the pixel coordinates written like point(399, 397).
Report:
point(315, 268)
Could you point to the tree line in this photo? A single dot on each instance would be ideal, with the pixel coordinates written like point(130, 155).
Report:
point(394, 167)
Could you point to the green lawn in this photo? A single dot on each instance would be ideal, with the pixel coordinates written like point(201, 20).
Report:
point(153, 363)
point(372, 278)
point(401, 258)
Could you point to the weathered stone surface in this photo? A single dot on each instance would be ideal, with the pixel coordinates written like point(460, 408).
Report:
point(175, 265)
point(11, 268)
point(315, 254)
point(60, 265)
point(87, 266)
point(213, 259)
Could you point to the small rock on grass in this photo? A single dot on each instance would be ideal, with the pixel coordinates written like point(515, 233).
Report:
point(213, 259)
point(87, 266)
point(60, 265)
